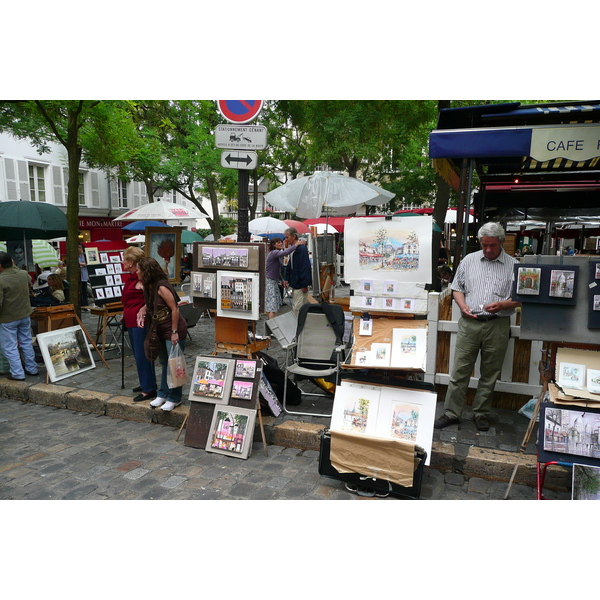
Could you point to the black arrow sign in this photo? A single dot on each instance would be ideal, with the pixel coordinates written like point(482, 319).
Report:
point(239, 159)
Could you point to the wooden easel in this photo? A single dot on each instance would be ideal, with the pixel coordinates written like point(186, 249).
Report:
point(59, 317)
point(106, 315)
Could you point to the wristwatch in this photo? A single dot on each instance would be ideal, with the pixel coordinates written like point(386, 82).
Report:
point(174, 331)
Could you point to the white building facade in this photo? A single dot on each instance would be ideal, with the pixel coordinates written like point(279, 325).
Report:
point(27, 175)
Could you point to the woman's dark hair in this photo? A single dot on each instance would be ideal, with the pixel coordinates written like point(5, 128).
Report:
point(272, 243)
point(151, 273)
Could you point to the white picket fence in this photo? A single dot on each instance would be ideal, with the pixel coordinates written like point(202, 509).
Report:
point(531, 388)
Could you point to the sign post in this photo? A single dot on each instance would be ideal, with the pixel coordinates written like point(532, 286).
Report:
point(235, 138)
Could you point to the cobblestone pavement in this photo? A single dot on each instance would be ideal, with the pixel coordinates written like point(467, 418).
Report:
point(50, 453)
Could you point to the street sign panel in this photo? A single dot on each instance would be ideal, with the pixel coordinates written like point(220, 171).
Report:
point(240, 111)
point(241, 137)
point(239, 159)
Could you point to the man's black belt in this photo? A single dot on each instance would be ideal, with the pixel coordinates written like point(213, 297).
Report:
point(486, 317)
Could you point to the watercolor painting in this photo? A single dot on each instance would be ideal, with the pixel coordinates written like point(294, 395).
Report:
point(211, 380)
point(571, 375)
point(231, 431)
point(384, 249)
point(355, 408)
point(562, 284)
point(571, 432)
point(528, 281)
point(586, 482)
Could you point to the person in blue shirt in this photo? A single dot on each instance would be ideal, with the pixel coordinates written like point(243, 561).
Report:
point(297, 274)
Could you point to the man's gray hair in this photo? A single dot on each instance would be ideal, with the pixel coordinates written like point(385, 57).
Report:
point(491, 230)
point(291, 231)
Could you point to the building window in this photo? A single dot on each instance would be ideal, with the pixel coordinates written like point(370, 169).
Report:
point(122, 190)
point(81, 190)
point(37, 185)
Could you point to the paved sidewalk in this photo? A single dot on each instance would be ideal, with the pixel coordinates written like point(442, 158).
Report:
point(49, 453)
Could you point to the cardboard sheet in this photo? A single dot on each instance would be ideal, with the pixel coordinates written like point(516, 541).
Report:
point(387, 459)
point(586, 358)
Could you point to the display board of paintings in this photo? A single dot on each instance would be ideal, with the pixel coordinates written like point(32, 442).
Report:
point(106, 274)
point(545, 284)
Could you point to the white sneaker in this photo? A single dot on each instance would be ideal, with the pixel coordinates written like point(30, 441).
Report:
point(170, 405)
point(158, 401)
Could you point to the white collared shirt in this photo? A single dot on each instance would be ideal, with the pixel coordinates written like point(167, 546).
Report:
point(484, 281)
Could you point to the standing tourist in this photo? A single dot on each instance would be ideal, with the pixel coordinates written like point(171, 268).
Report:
point(133, 300)
point(83, 295)
point(171, 326)
point(273, 274)
point(297, 274)
point(481, 289)
point(15, 322)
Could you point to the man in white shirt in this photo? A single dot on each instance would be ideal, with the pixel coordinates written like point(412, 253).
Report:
point(481, 288)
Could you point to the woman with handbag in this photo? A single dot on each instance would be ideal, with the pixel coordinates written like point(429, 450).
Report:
point(133, 299)
point(162, 311)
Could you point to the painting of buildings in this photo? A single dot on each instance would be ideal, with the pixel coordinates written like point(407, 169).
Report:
point(572, 432)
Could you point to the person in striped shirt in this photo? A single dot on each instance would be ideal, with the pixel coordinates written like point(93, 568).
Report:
point(481, 288)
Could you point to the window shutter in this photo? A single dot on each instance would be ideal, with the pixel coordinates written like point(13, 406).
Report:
point(59, 190)
point(95, 190)
point(114, 194)
point(23, 173)
point(11, 180)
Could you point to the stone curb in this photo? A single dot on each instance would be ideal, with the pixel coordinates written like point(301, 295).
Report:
point(479, 462)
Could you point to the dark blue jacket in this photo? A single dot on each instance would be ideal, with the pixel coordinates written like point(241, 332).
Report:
point(297, 272)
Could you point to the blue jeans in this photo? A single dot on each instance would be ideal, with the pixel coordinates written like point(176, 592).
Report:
point(145, 368)
point(164, 391)
point(12, 336)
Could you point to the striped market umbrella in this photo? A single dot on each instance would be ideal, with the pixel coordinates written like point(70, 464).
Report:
point(43, 253)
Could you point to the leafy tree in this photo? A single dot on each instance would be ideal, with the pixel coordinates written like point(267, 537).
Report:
point(99, 132)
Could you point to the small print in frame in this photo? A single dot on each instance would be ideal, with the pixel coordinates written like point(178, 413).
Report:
point(528, 281)
point(245, 368)
point(231, 431)
point(242, 389)
point(91, 256)
point(562, 284)
point(366, 327)
point(596, 302)
point(571, 375)
point(598, 269)
point(103, 257)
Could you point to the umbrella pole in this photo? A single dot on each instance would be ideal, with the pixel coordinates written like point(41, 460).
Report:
point(123, 354)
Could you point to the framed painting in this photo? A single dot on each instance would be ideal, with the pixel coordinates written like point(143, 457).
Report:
point(164, 245)
point(384, 250)
point(245, 369)
point(231, 431)
point(586, 482)
point(238, 295)
point(92, 256)
point(211, 380)
point(355, 407)
point(65, 352)
point(407, 414)
point(242, 389)
point(409, 348)
point(21, 253)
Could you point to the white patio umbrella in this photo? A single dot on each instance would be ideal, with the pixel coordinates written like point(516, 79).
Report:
point(267, 225)
point(308, 196)
point(324, 228)
point(159, 211)
point(136, 239)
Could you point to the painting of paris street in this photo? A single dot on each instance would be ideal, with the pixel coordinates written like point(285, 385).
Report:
point(65, 352)
point(572, 432)
point(380, 249)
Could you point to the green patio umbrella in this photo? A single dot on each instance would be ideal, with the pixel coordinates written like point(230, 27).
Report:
point(23, 219)
point(189, 237)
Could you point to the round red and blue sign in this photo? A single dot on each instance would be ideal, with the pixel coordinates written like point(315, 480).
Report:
point(240, 111)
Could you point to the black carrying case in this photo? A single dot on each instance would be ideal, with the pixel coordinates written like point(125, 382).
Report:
point(368, 486)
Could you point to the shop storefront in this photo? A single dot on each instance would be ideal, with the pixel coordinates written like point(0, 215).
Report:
point(93, 229)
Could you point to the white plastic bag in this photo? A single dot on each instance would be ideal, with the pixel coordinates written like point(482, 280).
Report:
point(177, 373)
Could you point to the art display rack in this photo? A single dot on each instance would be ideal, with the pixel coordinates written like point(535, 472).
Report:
point(104, 276)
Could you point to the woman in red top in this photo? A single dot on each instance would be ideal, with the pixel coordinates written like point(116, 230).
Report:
point(133, 299)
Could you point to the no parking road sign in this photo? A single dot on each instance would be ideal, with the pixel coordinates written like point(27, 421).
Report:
point(240, 111)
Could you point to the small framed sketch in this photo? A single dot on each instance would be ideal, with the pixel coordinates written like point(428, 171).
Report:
point(562, 284)
point(597, 270)
point(91, 256)
point(65, 352)
point(381, 355)
point(99, 293)
point(231, 431)
point(110, 280)
point(528, 281)
point(355, 408)
point(211, 380)
point(116, 258)
point(366, 327)
point(593, 381)
point(242, 389)
point(571, 375)
point(101, 271)
point(104, 257)
point(389, 287)
point(245, 369)
point(108, 292)
point(117, 291)
point(367, 286)
point(362, 359)
point(110, 268)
